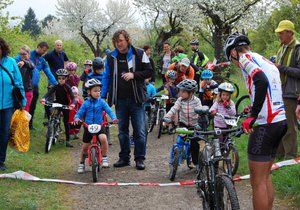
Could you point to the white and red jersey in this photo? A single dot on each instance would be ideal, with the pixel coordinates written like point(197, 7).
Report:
point(273, 107)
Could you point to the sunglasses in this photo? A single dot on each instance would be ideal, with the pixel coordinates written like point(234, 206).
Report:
point(61, 78)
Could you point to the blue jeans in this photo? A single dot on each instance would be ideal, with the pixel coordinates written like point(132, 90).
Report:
point(128, 109)
point(5, 118)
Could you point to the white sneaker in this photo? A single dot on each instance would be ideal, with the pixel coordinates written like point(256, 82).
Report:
point(105, 162)
point(81, 168)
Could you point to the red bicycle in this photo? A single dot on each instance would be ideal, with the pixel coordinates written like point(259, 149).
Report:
point(94, 153)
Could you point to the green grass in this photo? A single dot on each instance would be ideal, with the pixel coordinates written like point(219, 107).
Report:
point(287, 179)
point(17, 194)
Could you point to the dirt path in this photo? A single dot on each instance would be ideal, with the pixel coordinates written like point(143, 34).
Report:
point(93, 197)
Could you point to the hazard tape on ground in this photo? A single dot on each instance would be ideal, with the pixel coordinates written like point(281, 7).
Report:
point(28, 177)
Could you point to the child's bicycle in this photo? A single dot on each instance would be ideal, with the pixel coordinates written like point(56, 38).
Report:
point(94, 154)
point(53, 129)
point(180, 151)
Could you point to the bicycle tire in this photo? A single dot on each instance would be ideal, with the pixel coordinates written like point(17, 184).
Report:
point(241, 103)
point(95, 164)
point(153, 121)
point(174, 164)
point(202, 187)
point(225, 185)
point(160, 129)
point(235, 159)
point(49, 137)
point(56, 134)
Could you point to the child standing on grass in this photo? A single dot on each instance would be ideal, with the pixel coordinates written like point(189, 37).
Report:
point(91, 113)
point(78, 102)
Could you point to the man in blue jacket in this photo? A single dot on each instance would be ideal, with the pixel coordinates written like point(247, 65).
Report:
point(40, 65)
point(126, 69)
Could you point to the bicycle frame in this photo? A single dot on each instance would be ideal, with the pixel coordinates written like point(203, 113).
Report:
point(183, 143)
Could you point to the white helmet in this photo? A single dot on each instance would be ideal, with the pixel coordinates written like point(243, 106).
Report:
point(225, 86)
point(92, 83)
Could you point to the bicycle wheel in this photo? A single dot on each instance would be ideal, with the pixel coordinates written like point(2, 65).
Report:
point(174, 164)
point(152, 121)
point(160, 129)
point(242, 103)
point(49, 136)
point(55, 133)
point(226, 194)
point(234, 157)
point(203, 186)
point(95, 164)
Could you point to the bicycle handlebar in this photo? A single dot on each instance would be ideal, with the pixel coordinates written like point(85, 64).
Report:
point(56, 105)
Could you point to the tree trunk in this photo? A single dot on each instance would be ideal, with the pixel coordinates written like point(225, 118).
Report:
point(219, 36)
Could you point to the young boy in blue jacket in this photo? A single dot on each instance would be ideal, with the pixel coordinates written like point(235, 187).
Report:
point(91, 113)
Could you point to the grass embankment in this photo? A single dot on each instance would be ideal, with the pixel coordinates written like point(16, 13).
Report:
point(16, 194)
point(287, 179)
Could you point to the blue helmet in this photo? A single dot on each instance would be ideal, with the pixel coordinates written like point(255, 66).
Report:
point(207, 74)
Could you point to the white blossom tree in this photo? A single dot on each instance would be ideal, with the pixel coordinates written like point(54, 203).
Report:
point(93, 23)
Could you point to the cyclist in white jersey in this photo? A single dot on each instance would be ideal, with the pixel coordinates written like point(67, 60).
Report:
point(263, 83)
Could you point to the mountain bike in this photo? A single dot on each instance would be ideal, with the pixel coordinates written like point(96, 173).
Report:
point(216, 189)
point(53, 129)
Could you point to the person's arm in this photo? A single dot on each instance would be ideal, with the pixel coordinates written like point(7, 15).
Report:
point(292, 71)
point(147, 69)
point(214, 108)
point(153, 92)
point(18, 80)
point(50, 92)
point(260, 82)
point(231, 110)
point(174, 109)
point(47, 71)
point(105, 80)
point(66, 59)
point(109, 111)
point(81, 112)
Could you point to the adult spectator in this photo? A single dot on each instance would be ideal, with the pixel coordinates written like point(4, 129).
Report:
point(267, 112)
point(57, 58)
point(147, 50)
point(184, 70)
point(7, 102)
point(198, 58)
point(123, 81)
point(166, 59)
point(288, 63)
point(40, 65)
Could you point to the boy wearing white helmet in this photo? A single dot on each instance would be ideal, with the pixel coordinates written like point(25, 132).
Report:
point(91, 113)
point(223, 104)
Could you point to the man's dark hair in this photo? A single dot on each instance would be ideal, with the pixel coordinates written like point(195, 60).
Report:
point(43, 44)
point(179, 49)
point(242, 48)
point(4, 47)
point(117, 35)
point(146, 47)
point(167, 42)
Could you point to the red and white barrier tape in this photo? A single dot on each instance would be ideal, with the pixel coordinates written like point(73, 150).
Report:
point(28, 177)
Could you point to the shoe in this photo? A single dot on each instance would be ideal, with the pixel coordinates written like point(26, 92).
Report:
point(121, 163)
point(105, 162)
point(81, 168)
point(68, 144)
point(140, 165)
point(2, 167)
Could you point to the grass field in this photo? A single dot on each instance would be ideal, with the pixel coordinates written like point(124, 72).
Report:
point(16, 194)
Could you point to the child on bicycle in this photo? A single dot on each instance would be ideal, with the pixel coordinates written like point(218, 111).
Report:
point(73, 79)
point(98, 68)
point(223, 105)
point(185, 105)
point(207, 85)
point(91, 113)
point(87, 70)
point(63, 95)
point(151, 92)
point(78, 102)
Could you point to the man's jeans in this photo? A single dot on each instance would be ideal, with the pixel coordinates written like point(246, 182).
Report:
point(33, 103)
point(128, 109)
point(5, 118)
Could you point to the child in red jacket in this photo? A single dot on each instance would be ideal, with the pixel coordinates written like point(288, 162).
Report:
point(78, 102)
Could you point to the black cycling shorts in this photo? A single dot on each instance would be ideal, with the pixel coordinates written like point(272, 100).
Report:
point(87, 136)
point(264, 141)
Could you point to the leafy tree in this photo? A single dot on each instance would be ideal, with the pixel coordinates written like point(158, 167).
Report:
point(31, 23)
point(48, 19)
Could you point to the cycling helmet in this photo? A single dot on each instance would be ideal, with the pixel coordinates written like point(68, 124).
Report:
point(98, 63)
point(88, 62)
point(74, 90)
point(225, 86)
point(194, 42)
point(71, 66)
point(171, 74)
point(207, 74)
point(234, 40)
point(62, 72)
point(188, 85)
point(92, 83)
point(273, 59)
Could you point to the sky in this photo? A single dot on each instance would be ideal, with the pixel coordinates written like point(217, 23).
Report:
point(41, 7)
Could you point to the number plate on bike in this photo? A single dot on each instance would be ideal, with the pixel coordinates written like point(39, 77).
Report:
point(57, 105)
point(164, 97)
point(231, 122)
point(94, 128)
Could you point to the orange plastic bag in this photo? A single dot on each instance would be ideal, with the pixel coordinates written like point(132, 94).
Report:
point(19, 131)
